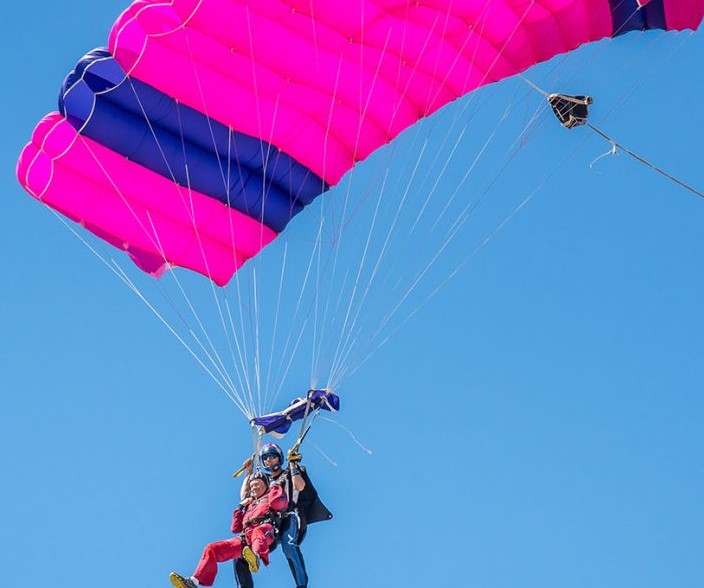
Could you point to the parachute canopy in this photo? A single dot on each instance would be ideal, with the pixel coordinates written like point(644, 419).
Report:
point(280, 422)
point(207, 125)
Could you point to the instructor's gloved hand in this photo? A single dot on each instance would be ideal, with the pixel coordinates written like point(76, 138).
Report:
point(293, 456)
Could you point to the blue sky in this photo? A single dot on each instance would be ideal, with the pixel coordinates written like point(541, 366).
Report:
point(535, 424)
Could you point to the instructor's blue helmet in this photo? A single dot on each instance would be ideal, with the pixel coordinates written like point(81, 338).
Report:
point(271, 449)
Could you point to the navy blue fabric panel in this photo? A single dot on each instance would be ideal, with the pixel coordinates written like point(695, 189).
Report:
point(180, 143)
point(627, 16)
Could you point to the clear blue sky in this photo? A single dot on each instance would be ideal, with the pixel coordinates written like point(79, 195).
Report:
point(537, 423)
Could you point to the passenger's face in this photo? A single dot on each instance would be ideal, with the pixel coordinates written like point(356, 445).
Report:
point(257, 488)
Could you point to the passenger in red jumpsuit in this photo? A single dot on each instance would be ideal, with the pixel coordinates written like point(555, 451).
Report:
point(254, 517)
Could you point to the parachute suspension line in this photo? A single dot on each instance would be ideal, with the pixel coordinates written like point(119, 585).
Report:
point(364, 107)
point(347, 331)
point(302, 330)
point(291, 355)
point(151, 235)
point(616, 145)
point(452, 232)
point(114, 267)
point(244, 385)
point(219, 366)
point(239, 365)
point(257, 344)
point(267, 382)
point(351, 316)
point(638, 158)
point(424, 270)
point(255, 317)
point(231, 394)
point(318, 336)
point(211, 285)
point(225, 176)
point(380, 258)
point(332, 283)
point(242, 371)
point(476, 250)
point(338, 374)
point(189, 206)
point(332, 377)
point(243, 374)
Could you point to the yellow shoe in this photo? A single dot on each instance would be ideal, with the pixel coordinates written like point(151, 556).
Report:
point(251, 558)
point(180, 582)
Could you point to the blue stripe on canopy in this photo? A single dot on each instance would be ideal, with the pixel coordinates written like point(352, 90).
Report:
point(628, 16)
point(184, 145)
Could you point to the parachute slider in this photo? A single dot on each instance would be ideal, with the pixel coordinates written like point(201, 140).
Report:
point(280, 422)
point(571, 111)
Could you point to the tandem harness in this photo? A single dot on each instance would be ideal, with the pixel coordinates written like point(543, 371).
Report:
point(272, 518)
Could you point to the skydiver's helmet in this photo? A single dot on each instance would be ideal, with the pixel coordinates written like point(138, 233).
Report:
point(270, 450)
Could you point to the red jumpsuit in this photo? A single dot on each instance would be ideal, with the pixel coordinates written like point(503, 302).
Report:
point(259, 536)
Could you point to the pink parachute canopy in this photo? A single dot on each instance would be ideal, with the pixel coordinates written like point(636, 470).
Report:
point(323, 83)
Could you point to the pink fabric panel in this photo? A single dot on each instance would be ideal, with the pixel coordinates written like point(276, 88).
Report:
point(330, 82)
point(135, 208)
point(683, 14)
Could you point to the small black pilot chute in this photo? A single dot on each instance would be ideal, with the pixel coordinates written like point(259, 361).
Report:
point(571, 111)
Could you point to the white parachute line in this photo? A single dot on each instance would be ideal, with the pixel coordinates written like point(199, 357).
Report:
point(337, 240)
point(233, 394)
point(438, 179)
point(122, 276)
point(151, 236)
point(226, 179)
point(318, 337)
point(325, 455)
point(264, 194)
point(497, 57)
point(189, 207)
point(352, 342)
point(316, 298)
point(349, 185)
point(212, 286)
point(219, 368)
point(344, 331)
point(371, 230)
point(465, 261)
point(420, 275)
point(281, 377)
point(300, 320)
point(350, 433)
point(381, 257)
point(239, 363)
point(241, 349)
point(464, 108)
point(257, 375)
point(387, 240)
point(241, 368)
point(267, 382)
point(364, 108)
point(471, 168)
